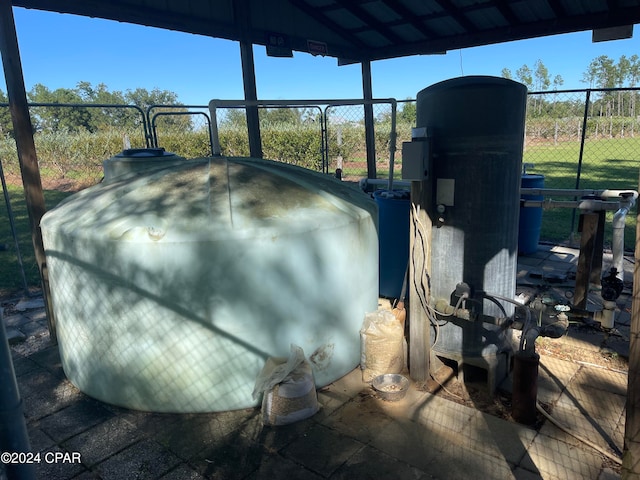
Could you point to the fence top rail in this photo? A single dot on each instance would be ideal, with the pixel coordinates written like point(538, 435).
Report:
point(76, 105)
point(217, 103)
point(214, 104)
point(584, 90)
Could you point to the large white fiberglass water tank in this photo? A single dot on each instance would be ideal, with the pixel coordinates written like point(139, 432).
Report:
point(171, 289)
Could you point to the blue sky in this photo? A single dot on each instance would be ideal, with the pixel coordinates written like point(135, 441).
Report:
point(61, 50)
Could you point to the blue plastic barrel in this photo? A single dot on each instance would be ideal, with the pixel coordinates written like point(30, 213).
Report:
point(393, 235)
point(530, 217)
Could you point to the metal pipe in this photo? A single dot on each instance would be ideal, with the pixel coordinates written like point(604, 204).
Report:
point(365, 182)
point(525, 387)
point(581, 154)
point(392, 145)
point(13, 429)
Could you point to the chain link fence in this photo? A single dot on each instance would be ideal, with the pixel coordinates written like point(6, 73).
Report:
point(583, 139)
point(576, 139)
point(346, 140)
point(72, 140)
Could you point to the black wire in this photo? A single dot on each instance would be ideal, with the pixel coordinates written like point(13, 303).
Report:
point(496, 302)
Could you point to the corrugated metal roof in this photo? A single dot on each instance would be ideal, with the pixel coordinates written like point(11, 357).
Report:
point(362, 29)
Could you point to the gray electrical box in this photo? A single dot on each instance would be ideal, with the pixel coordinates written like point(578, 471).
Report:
point(415, 160)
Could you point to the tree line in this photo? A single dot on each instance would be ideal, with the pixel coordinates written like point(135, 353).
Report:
point(81, 118)
point(602, 73)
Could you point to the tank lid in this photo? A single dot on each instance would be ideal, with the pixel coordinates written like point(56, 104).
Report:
point(144, 153)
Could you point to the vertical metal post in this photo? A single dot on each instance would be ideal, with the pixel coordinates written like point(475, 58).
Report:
point(250, 93)
point(13, 429)
point(580, 155)
point(241, 11)
point(23, 131)
point(370, 138)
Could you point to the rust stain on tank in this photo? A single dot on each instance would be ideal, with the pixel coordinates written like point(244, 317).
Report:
point(321, 357)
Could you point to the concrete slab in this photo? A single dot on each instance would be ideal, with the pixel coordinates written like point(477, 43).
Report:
point(371, 463)
point(57, 470)
point(361, 419)
point(409, 442)
point(450, 463)
point(145, 459)
point(182, 472)
point(16, 320)
point(602, 379)
point(103, 440)
point(76, 418)
point(275, 467)
point(555, 459)
point(322, 450)
point(553, 375)
point(29, 304)
point(590, 413)
point(608, 474)
point(15, 336)
point(497, 437)
point(48, 401)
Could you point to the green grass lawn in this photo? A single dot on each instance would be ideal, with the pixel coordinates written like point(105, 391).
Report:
point(10, 276)
point(606, 164)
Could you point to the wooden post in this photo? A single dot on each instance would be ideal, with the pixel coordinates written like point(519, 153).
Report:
point(588, 226)
point(419, 263)
point(23, 133)
point(596, 266)
point(631, 453)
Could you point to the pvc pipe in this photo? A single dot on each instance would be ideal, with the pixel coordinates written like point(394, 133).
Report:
point(578, 192)
point(581, 204)
point(619, 220)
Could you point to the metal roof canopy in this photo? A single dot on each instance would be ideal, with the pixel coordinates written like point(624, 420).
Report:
point(360, 30)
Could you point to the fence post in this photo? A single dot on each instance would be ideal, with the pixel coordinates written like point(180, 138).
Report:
point(583, 136)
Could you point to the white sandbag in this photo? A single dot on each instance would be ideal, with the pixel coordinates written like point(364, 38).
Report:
point(381, 340)
point(289, 389)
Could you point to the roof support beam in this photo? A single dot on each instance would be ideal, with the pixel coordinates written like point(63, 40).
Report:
point(23, 132)
point(370, 139)
point(241, 12)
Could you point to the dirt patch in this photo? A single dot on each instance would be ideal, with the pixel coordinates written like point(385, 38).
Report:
point(51, 183)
